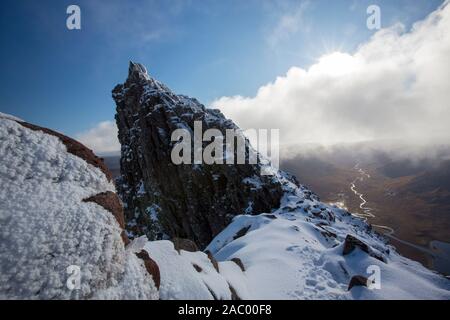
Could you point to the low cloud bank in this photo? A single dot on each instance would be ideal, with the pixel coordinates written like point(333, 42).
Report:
point(102, 138)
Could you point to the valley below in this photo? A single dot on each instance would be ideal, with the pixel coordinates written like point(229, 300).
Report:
point(408, 203)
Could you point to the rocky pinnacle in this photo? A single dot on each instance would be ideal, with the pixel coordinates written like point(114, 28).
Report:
point(164, 200)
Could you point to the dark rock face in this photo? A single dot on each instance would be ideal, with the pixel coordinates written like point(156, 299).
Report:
point(357, 281)
point(234, 295)
point(151, 266)
point(351, 243)
point(184, 244)
point(164, 200)
point(239, 263)
point(241, 232)
point(213, 261)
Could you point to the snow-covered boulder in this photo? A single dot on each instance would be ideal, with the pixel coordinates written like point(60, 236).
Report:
point(196, 275)
point(61, 223)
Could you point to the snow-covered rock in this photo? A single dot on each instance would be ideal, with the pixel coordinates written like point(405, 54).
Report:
point(193, 276)
point(59, 214)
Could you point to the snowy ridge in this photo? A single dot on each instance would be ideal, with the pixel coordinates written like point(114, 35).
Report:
point(297, 252)
point(8, 116)
point(46, 226)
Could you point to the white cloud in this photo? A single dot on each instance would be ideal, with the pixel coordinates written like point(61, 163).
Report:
point(288, 24)
point(395, 86)
point(102, 138)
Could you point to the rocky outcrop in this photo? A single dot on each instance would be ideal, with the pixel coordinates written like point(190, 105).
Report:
point(351, 243)
point(164, 200)
point(184, 244)
point(151, 266)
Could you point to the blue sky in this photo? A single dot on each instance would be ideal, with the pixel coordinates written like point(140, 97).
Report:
point(208, 49)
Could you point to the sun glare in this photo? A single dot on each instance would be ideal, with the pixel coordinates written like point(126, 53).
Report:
point(335, 64)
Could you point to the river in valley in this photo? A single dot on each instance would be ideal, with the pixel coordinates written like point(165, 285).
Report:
point(438, 252)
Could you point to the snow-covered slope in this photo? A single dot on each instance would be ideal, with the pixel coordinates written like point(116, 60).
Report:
point(310, 250)
point(48, 223)
point(304, 250)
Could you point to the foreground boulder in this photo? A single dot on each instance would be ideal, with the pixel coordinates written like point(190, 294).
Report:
point(357, 281)
point(61, 233)
point(184, 201)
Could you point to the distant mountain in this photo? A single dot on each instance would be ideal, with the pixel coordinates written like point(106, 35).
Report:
point(401, 168)
point(434, 178)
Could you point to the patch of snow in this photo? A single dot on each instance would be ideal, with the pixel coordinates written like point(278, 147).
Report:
point(153, 211)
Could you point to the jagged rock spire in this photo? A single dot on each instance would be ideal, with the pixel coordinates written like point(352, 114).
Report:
point(185, 201)
point(136, 67)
